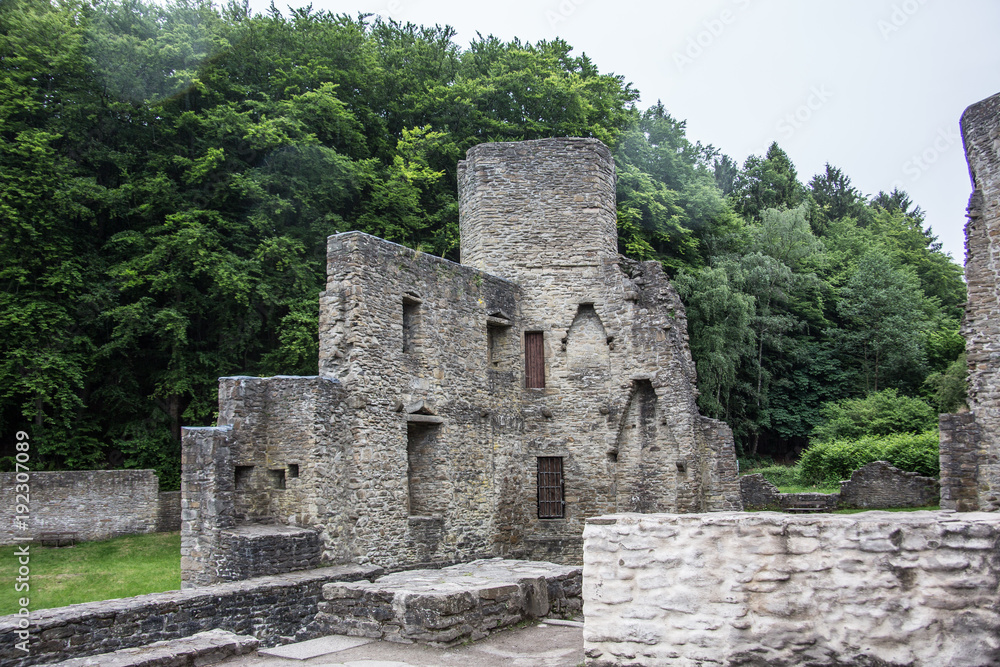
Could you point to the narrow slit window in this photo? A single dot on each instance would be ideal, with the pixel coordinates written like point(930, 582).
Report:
point(550, 488)
point(534, 360)
point(411, 324)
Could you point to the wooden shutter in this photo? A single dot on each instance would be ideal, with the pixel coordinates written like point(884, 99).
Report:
point(550, 488)
point(534, 360)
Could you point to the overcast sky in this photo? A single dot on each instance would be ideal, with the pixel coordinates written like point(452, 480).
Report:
point(875, 87)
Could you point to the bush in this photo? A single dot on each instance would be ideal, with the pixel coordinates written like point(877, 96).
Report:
point(780, 475)
point(834, 461)
point(880, 414)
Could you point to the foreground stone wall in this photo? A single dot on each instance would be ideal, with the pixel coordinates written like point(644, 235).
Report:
point(781, 590)
point(269, 608)
point(970, 466)
point(94, 504)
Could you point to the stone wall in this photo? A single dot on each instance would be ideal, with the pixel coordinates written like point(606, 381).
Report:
point(452, 605)
point(420, 441)
point(618, 405)
point(781, 590)
point(881, 485)
point(272, 609)
point(168, 516)
point(94, 504)
point(959, 456)
point(970, 468)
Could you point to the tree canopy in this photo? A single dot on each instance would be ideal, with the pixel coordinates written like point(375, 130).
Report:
point(169, 173)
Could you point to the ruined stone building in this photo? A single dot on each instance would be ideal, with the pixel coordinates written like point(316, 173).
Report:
point(466, 410)
point(970, 442)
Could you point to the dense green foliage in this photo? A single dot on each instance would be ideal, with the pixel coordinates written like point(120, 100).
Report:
point(91, 571)
point(836, 460)
point(168, 175)
point(881, 413)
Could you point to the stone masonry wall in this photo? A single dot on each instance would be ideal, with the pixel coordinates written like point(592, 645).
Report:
point(168, 517)
point(959, 456)
point(618, 405)
point(418, 344)
point(279, 456)
point(781, 590)
point(95, 504)
point(881, 485)
point(269, 608)
point(981, 324)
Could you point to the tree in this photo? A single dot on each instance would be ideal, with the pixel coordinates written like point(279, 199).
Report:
point(768, 182)
point(882, 307)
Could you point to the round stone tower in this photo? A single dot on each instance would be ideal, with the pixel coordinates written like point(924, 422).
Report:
point(542, 203)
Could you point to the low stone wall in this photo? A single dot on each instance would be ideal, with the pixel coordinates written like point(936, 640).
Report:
point(880, 485)
point(168, 519)
point(94, 504)
point(760, 494)
point(451, 605)
point(772, 589)
point(269, 608)
point(258, 550)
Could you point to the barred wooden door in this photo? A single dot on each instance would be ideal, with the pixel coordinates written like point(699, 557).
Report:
point(534, 360)
point(550, 488)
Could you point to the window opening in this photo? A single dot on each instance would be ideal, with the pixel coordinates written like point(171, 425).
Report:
point(277, 478)
point(411, 321)
point(550, 488)
point(293, 470)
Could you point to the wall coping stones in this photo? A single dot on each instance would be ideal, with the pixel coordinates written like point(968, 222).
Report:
point(204, 648)
point(453, 604)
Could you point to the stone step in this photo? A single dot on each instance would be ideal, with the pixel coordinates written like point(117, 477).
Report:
point(204, 648)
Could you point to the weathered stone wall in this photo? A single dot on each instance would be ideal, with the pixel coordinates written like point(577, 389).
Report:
point(781, 590)
point(980, 326)
point(880, 485)
point(758, 493)
point(436, 422)
point(257, 550)
point(279, 456)
point(269, 608)
point(168, 514)
point(959, 456)
point(450, 605)
point(422, 445)
point(95, 504)
point(618, 404)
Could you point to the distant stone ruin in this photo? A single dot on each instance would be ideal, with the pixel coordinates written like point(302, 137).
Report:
point(466, 410)
point(970, 442)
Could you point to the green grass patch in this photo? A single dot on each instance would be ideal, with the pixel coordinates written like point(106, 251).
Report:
point(809, 488)
point(92, 571)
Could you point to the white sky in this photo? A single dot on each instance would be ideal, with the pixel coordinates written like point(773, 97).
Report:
point(875, 87)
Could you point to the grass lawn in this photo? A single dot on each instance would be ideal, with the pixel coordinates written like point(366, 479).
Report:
point(91, 571)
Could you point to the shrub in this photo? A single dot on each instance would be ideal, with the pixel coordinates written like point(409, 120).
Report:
point(780, 475)
point(837, 460)
point(878, 414)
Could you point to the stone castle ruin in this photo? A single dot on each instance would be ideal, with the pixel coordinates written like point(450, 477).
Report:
point(970, 441)
point(466, 410)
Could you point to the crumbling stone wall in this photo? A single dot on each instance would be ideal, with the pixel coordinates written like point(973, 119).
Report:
point(618, 405)
point(272, 609)
point(420, 439)
point(94, 504)
point(970, 445)
point(881, 485)
point(782, 590)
